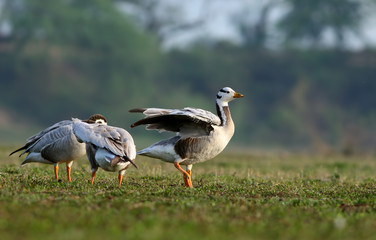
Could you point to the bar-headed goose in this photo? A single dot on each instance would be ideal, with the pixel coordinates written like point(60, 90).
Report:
point(201, 135)
point(57, 144)
point(110, 148)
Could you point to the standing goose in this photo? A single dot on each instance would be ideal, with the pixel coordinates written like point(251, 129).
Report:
point(108, 147)
point(201, 135)
point(56, 144)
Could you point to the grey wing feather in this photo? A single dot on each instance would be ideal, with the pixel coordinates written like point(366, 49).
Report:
point(200, 115)
point(187, 121)
point(195, 113)
point(49, 129)
point(52, 133)
point(52, 150)
point(156, 111)
point(48, 136)
point(116, 140)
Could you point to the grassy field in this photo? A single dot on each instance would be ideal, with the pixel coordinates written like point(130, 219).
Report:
point(236, 196)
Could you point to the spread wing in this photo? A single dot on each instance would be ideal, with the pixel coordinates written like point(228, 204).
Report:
point(51, 134)
point(113, 139)
point(186, 121)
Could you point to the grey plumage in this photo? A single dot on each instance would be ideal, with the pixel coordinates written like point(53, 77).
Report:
point(108, 147)
point(49, 135)
point(201, 134)
point(56, 144)
point(115, 140)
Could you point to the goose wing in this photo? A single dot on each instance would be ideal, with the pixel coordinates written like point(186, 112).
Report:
point(115, 140)
point(90, 153)
point(48, 135)
point(190, 121)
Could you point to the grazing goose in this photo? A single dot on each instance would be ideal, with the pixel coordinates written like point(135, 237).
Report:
point(108, 147)
point(56, 144)
point(201, 135)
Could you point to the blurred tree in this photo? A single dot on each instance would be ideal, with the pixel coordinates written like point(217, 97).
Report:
point(73, 57)
point(161, 18)
point(308, 21)
point(253, 25)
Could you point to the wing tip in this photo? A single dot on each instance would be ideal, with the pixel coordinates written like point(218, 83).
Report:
point(138, 123)
point(137, 110)
point(22, 148)
point(124, 159)
point(134, 164)
point(12, 153)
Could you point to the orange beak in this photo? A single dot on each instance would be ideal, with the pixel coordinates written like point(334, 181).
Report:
point(238, 95)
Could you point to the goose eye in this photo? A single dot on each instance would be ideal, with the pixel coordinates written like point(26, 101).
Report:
point(224, 91)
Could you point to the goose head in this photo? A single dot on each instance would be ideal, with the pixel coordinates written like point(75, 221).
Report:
point(96, 118)
point(226, 95)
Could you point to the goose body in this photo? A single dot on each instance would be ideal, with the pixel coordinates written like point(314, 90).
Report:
point(56, 144)
point(110, 148)
point(201, 135)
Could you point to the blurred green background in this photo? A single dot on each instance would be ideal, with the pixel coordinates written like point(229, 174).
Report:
point(307, 68)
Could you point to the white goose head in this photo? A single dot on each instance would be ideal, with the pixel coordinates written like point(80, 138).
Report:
point(226, 95)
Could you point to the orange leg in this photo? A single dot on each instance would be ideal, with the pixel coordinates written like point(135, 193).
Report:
point(120, 177)
point(190, 178)
point(186, 175)
point(93, 173)
point(56, 170)
point(68, 174)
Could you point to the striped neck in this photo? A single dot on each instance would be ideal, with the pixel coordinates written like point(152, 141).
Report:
point(223, 112)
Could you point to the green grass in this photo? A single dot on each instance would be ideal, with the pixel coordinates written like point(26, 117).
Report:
point(276, 196)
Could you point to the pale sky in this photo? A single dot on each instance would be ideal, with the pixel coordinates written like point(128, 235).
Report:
point(219, 14)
